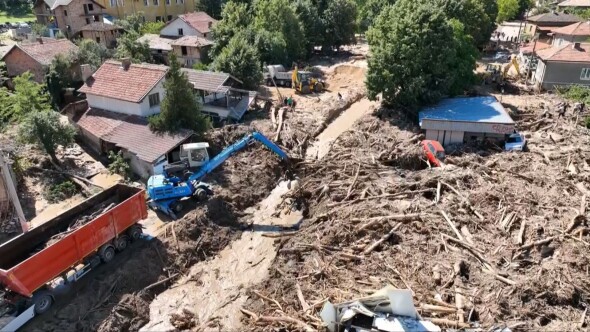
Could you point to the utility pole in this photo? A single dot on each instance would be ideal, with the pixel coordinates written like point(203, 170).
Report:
point(12, 193)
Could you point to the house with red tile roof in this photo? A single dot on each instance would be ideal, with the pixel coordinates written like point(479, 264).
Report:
point(574, 4)
point(564, 65)
point(192, 24)
point(120, 97)
point(36, 57)
point(578, 32)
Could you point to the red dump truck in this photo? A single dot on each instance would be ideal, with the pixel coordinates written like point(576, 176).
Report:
point(35, 266)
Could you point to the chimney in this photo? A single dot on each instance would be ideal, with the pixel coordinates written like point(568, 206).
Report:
point(40, 40)
point(86, 71)
point(576, 46)
point(125, 63)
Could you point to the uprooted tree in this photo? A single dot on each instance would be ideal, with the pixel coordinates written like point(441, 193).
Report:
point(46, 130)
point(180, 108)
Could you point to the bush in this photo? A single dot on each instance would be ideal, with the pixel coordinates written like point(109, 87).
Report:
point(587, 122)
point(576, 93)
point(60, 191)
point(119, 165)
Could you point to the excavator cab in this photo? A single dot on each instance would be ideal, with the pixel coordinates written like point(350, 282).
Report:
point(195, 154)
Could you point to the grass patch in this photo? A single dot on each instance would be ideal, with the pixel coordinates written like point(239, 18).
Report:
point(576, 93)
point(6, 17)
point(16, 11)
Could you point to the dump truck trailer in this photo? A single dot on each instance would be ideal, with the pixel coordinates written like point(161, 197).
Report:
point(37, 265)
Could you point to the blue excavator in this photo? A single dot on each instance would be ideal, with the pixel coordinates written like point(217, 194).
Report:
point(166, 191)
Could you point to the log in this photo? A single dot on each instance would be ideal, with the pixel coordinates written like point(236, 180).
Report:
point(268, 299)
point(403, 193)
point(452, 225)
point(155, 284)
point(394, 217)
point(449, 323)
point(576, 221)
point(460, 304)
point(356, 176)
point(281, 319)
point(304, 304)
point(536, 243)
point(521, 232)
point(438, 308)
point(473, 210)
point(384, 238)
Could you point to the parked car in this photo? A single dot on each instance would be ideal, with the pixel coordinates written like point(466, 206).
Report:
point(435, 153)
point(515, 142)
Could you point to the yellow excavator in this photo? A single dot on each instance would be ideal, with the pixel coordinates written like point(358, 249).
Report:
point(305, 84)
point(497, 72)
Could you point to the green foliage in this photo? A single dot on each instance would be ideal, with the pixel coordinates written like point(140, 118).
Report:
point(576, 93)
point(58, 192)
point(370, 10)
point(339, 20)
point(28, 97)
point(151, 27)
point(413, 54)
point(132, 23)
point(91, 53)
point(180, 108)
point(119, 165)
point(466, 56)
point(200, 66)
point(587, 122)
point(313, 27)
point(242, 60)
point(6, 107)
point(278, 17)
point(129, 47)
point(60, 35)
point(211, 7)
point(476, 16)
point(58, 78)
point(39, 30)
point(235, 18)
point(46, 130)
point(507, 10)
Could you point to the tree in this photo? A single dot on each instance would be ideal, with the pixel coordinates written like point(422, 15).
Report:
point(91, 53)
point(369, 12)
point(271, 46)
point(132, 23)
point(278, 17)
point(129, 47)
point(58, 78)
point(180, 108)
point(340, 23)
point(39, 30)
point(46, 130)
point(413, 54)
point(242, 60)
point(28, 96)
point(313, 27)
point(472, 14)
point(211, 7)
point(235, 18)
point(151, 27)
point(466, 58)
point(507, 10)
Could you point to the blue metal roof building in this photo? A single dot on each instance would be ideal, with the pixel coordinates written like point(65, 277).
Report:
point(456, 120)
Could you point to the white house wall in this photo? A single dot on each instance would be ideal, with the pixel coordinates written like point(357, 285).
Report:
point(463, 126)
point(127, 107)
point(171, 30)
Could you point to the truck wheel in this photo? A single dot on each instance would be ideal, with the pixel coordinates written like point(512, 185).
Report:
point(107, 253)
point(134, 232)
point(177, 207)
point(42, 301)
point(289, 84)
point(121, 243)
point(305, 89)
point(319, 88)
point(269, 82)
point(201, 194)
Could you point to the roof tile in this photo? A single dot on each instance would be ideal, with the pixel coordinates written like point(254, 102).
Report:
point(47, 49)
point(554, 17)
point(133, 84)
point(130, 132)
point(156, 42)
point(192, 41)
point(199, 21)
point(100, 26)
point(566, 53)
point(576, 29)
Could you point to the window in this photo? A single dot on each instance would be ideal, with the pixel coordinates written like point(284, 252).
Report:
point(179, 2)
point(205, 35)
point(87, 21)
point(167, 2)
point(585, 75)
point(98, 40)
point(156, 2)
point(158, 18)
point(90, 7)
point(146, 3)
point(113, 3)
point(169, 18)
point(183, 50)
point(65, 13)
point(154, 99)
point(180, 32)
point(96, 18)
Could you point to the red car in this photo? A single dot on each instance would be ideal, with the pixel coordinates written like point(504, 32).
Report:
point(434, 152)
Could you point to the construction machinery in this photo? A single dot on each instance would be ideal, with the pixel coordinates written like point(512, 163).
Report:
point(167, 191)
point(498, 72)
point(304, 83)
point(37, 266)
point(277, 75)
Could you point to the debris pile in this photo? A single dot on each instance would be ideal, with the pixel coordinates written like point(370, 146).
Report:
point(493, 239)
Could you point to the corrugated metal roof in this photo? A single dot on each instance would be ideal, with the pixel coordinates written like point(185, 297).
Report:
point(469, 109)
